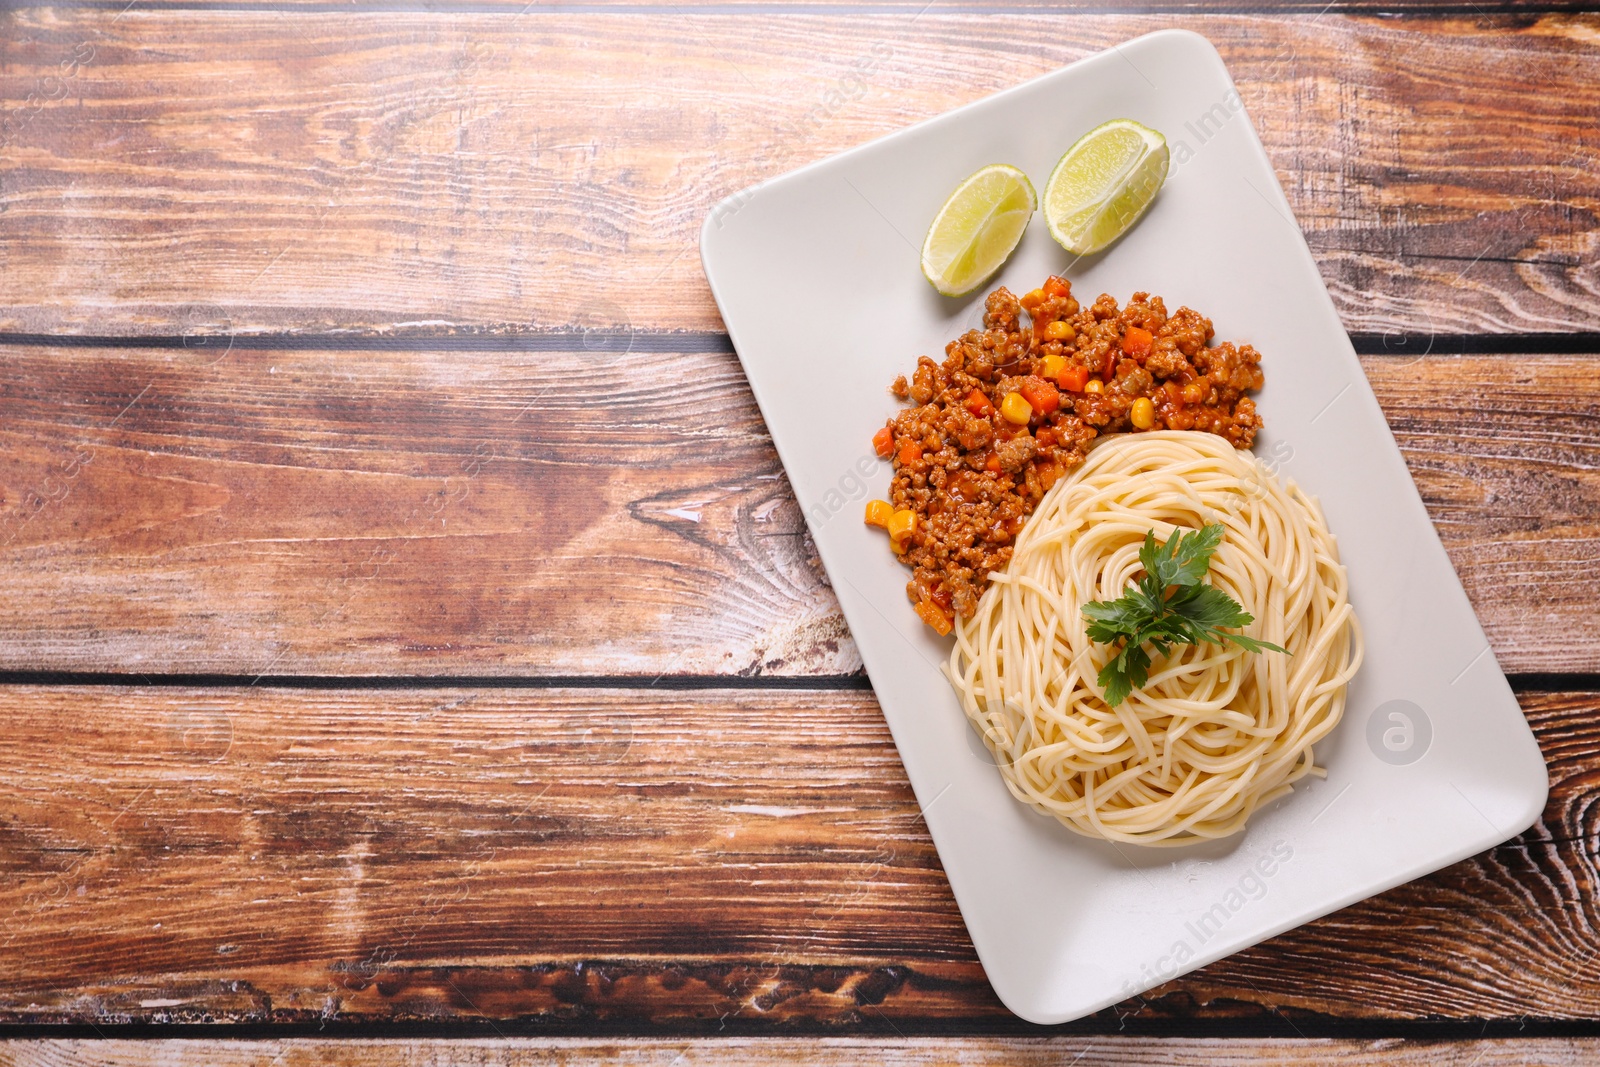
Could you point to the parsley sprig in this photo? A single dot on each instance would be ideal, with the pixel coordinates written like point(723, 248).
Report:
point(1169, 606)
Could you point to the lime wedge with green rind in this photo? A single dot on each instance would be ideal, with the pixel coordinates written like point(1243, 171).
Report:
point(1103, 184)
point(977, 229)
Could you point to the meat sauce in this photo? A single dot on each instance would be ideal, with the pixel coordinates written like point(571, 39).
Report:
point(1017, 404)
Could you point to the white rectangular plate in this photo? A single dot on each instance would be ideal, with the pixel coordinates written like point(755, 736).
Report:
point(816, 273)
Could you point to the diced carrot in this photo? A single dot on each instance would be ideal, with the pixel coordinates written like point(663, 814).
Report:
point(992, 463)
point(979, 404)
point(883, 442)
point(1073, 377)
point(1040, 394)
point(1057, 286)
point(910, 452)
point(1136, 341)
point(934, 616)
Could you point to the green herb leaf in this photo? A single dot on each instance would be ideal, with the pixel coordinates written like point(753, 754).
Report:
point(1168, 606)
point(1111, 619)
point(1115, 682)
point(1184, 559)
point(1208, 607)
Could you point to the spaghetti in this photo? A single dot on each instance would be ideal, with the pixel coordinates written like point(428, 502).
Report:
point(1216, 732)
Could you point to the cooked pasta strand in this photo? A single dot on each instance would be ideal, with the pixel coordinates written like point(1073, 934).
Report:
point(1217, 731)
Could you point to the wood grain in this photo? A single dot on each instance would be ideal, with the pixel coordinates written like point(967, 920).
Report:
point(858, 8)
point(205, 171)
point(1506, 453)
point(890, 1051)
point(695, 862)
point(314, 512)
point(558, 513)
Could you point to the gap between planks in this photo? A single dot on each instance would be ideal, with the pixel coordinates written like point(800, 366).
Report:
point(1297, 1040)
point(1373, 8)
point(613, 339)
point(664, 682)
point(1521, 683)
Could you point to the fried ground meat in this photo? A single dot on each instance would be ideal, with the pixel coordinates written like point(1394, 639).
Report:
point(1017, 404)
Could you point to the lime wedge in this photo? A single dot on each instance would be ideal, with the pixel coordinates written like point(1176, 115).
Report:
point(977, 229)
point(1103, 184)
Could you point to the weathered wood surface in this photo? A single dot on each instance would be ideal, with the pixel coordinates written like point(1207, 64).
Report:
point(313, 512)
point(891, 1051)
point(552, 513)
point(1481, 9)
point(184, 170)
point(1506, 453)
point(656, 859)
point(707, 861)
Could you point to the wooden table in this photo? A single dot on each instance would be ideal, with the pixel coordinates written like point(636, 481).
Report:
point(410, 633)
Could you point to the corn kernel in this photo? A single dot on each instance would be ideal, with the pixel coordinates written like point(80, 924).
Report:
point(1059, 331)
point(902, 524)
point(1053, 366)
point(1016, 408)
point(1094, 385)
point(879, 512)
point(1143, 413)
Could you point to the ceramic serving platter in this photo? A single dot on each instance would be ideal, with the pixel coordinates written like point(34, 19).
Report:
point(816, 273)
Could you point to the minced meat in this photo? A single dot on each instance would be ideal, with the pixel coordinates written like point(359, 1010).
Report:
point(972, 476)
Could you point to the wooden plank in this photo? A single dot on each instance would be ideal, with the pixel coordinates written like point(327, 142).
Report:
point(244, 170)
point(557, 513)
point(284, 854)
point(1506, 453)
point(312, 512)
point(859, 8)
point(710, 861)
point(891, 1051)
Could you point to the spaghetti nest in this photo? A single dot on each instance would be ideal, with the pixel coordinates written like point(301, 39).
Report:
point(1216, 731)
